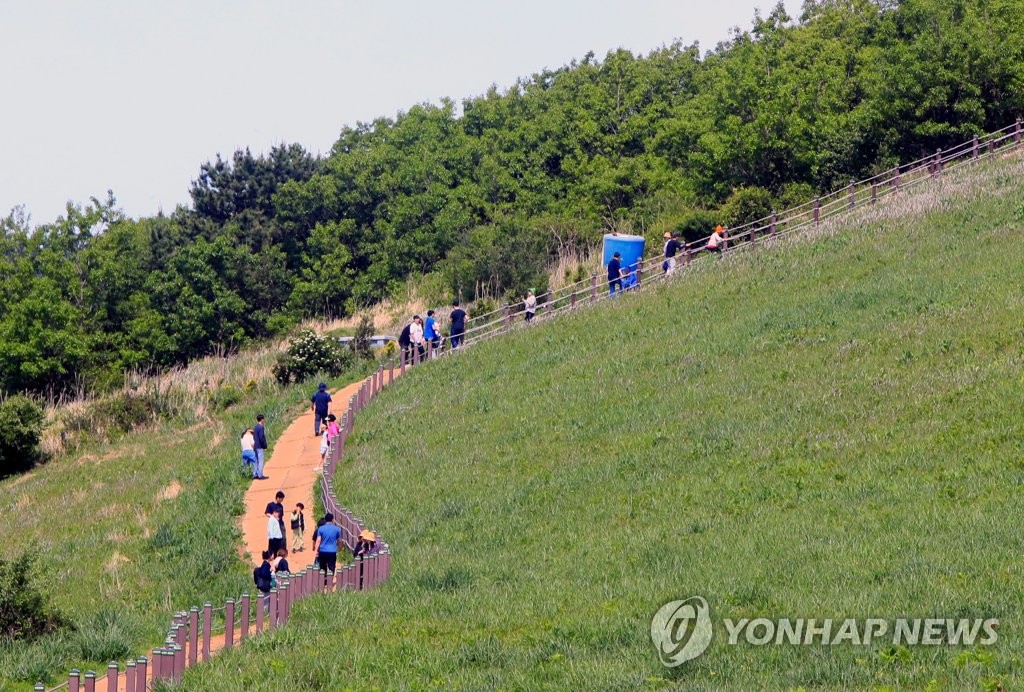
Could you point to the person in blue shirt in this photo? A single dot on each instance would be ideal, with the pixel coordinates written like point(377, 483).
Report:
point(320, 404)
point(614, 274)
point(326, 547)
point(259, 434)
point(431, 333)
point(628, 279)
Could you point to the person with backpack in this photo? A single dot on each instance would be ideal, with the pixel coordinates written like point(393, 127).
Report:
point(263, 577)
point(298, 524)
point(405, 342)
point(320, 404)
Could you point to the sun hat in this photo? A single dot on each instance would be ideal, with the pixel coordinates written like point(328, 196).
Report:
point(367, 535)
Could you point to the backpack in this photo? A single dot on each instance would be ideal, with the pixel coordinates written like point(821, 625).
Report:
point(262, 583)
point(405, 339)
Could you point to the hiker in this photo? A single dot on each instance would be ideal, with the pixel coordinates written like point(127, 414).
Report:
point(280, 562)
point(248, 453)
point(276, 507)
point(312, 541)
point(717, 240)
point(325, 446)
point(263, 577)
point(629, 279)
point(405, 342)
point(275, 536)
point(320, 405)
point(431, 333)
point(259, 434)
point(416, 334)
point(298, 524)
point(326, 546)
point(672, 246)
point(333, 428)
point(366, 545)
point(614, 274)
point(458, 320)
point(530, 305)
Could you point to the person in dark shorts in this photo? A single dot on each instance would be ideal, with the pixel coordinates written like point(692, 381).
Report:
point(614, 274)
point(326, 546)
point(458, 321)
point(320, 403)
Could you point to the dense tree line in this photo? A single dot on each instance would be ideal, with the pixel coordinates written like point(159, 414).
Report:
point(482, 197)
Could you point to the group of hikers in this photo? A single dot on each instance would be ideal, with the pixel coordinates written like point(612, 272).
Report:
point(325, 543)
point(626, 278)
point(424, 337)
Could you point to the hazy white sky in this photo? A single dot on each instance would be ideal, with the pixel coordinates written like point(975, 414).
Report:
point(133, 95)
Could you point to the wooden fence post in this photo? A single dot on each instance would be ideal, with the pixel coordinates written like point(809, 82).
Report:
point(260, 606)
point(415, 359)
point(40, 687)
point(974, 147)
point(391, 369)
point(129, 675)
point(179, 661)
point(112, 673)
point(275, 596)
point(1016, 133)
point(896, 178)
point(639, 270)
point(574, 299)
point(141, 673)
point(229, 622)
point(73, 680)
point(851, 193)
point(874, 192)
point(90, 681)
point(207, 620)
point(508, 317)
point(403, 359)
point(243, 631)
point(937, 166)
point(817, 210)
point(771, 228)
point(991, 147)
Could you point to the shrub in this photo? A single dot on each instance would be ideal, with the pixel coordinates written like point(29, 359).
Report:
point(309, 354)
point(126, 411)
point(21, 424)
point(225, 396)
point(25, 613)
point(747, 204)
point(361, 340)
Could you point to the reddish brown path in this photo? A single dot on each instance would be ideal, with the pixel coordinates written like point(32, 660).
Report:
point(290, 469)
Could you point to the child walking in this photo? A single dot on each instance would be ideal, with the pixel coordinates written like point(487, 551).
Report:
point(298, 527)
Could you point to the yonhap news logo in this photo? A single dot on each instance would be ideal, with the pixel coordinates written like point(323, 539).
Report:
point(682, 630)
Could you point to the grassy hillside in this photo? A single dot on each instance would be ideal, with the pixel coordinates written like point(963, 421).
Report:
point(827, 429)
point(130, 531)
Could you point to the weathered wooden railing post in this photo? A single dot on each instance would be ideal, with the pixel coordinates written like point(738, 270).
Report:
point(573, 299)
point(141, 673)
point(1016, 133)
point(112, 674)
point(243, 631)
point(404, 356)
point(129, 675)
point(272, 615)
point(74, 680)
point(937, 165)
point(508, 317)
point(817, 210)
point(874, 192)
point(991, 147)
point(974, 147)
point(229, 622)
point(415, 356)
point(391, 369)
point(771, 228)
point(179, 661)
point(207, 622)
point(896, 178)
point(852, 192)
point(90, 681)
point(261, 604)
point(193, 635)
point(639, 270)
point(593, 287)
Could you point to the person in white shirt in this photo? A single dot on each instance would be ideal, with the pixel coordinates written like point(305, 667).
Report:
point(717, 240)
point(416, 335)
point(248, 449)
point(275, 539)
point(530, 305)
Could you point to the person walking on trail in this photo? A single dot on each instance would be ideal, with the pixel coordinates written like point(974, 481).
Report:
point(326, 546)
point(332, 425)
point(275, 536)
point(405, 342)
point(277, 507)
point(259, 434)
point(530, 305)
point(280, 562)
point(320, 405)
point(312, 541)
point(325, 446)
point(717, 240)
point(614, 274)
point(263, 577)
point(248, 452)
point(672, 247)
point(431, 333)
point(458, 320)
point(416, 334)
point(298, 524)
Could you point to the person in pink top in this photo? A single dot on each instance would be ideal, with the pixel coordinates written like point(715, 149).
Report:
point(332, 425)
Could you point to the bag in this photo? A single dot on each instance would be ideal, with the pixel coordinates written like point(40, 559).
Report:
point(261, 581)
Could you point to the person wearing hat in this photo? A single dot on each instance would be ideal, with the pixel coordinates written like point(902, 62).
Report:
point(366, 545)
point(672, 246)
point(614, 274)
point(716, 240)
point(320, 404)
point(326, 546)
point(530, 305)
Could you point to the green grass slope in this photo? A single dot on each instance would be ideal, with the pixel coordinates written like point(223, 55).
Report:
point(827, 428)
